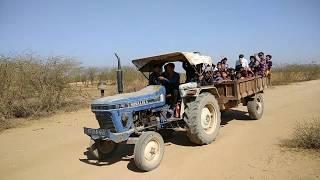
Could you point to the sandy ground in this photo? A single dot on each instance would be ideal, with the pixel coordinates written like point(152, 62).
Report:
point(53, 148)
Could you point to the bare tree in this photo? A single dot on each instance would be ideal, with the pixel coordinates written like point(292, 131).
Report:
point(92, 72)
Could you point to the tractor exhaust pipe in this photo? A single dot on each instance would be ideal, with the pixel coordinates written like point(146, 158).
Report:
point(119, 75)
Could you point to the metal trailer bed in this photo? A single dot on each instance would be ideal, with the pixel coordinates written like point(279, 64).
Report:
point(231, 93)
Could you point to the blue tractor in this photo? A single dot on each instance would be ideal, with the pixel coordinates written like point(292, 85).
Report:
point(137, 117)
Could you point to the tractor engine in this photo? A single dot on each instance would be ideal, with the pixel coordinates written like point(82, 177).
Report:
point(146, 118)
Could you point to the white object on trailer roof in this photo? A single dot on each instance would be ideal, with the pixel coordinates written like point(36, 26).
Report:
point(147, 64)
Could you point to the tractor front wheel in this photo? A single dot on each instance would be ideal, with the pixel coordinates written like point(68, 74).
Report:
point(148, 151)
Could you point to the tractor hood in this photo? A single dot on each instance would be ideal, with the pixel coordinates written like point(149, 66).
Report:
point(146, 96)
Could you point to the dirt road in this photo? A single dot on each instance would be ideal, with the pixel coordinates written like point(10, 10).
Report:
point(53, 148)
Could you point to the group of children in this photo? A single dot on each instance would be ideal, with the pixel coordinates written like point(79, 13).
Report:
point(259, 65)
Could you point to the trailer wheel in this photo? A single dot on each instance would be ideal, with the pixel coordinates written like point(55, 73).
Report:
point(148, 151)
point(256, 107)
point(203, 119)
point(101, 149)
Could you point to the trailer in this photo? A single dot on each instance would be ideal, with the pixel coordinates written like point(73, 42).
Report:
point(246, 91)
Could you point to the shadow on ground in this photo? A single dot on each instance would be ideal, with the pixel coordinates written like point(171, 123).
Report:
point(179, 137)
point(124, 152)
point(234, 114)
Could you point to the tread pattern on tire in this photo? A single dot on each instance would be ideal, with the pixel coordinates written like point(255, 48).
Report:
point(195, 131)
point(251, 105)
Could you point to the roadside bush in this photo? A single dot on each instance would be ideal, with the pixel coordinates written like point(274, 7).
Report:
point(306, 135)
point(31, 85)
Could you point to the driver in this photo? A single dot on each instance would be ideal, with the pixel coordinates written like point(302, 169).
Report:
point(155, 77)
point(171, 81)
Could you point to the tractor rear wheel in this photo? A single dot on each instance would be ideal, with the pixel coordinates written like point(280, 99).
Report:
point(148, 151)
point(203, 119)
point(101, 149)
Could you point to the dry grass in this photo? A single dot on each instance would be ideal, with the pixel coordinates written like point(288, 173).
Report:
point(286, 74)
point(306, 135)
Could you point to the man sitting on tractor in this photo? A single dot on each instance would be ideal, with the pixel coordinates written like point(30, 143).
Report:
point(155, 77)
point(171, 81)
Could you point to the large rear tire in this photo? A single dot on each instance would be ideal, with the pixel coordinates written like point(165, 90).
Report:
point(256, 107)
point(203, 119)
point(148, 151)
point(101, 149)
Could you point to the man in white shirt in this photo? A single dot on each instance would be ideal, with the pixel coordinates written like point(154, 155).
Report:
point(242, 63)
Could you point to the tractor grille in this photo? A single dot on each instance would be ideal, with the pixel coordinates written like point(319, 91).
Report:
point(105, 120)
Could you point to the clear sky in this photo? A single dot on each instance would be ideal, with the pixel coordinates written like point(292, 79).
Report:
point(92, 30)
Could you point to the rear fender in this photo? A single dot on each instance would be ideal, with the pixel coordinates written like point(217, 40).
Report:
point(192, 94)
point(211, 90)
